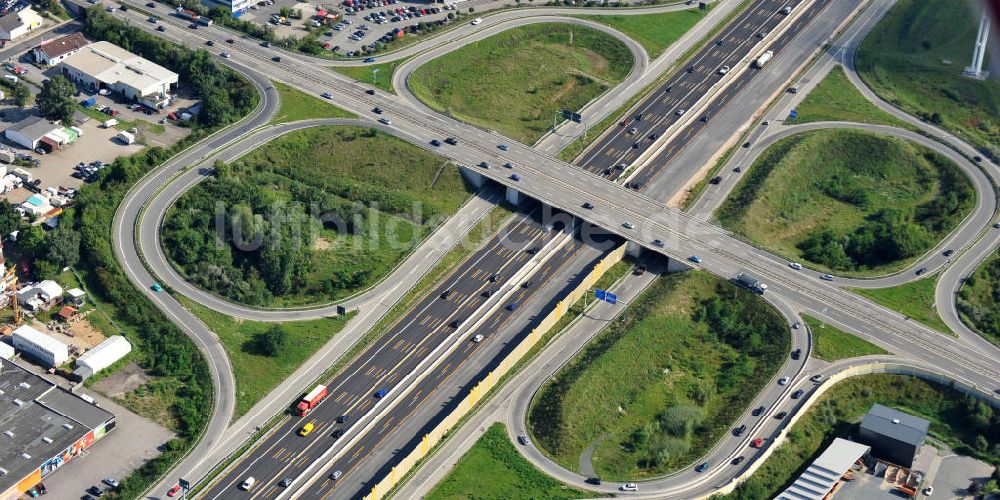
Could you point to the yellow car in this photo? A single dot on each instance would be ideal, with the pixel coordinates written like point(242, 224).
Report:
point(306, 429)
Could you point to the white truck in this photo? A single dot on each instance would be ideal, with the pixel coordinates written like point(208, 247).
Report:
point(763, 59)
point(126, 137)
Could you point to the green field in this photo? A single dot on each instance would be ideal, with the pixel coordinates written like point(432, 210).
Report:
point(914, 299)
point(382, 78)
point(914, 59)
point(255, 373)
point(515, 81)
point(297, 105)
point(494, 470)
point(848, 201)
point(313, 216)
point(968, 425)
point(831, 343)
point(837, 99)
point(655, 32)
point(664, 381)
point(979, 299)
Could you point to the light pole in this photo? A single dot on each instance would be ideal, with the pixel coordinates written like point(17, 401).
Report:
point(375, 76)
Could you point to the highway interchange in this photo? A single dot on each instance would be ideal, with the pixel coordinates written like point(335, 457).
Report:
point(544, 178)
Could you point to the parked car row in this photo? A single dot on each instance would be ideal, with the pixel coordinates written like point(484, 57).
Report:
point(88, 171)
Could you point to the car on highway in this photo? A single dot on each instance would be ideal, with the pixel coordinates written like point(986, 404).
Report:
point(512, 306)
point(337, 433)
point(922, 270)
point(151, 5)
point(476, 21)
point(523, 439)
point(997, 225)
point(795, 265)
point(503, 147)
point(225, 55)
point(307, 429)
point(719, 42)
point(633, 130)
point(379, 394)
point(629, 487)
point(816, 378)
point(451, 140)
point(740, 430)
point(928, 491)
point(703, 119)
point(478, 338)
point(161, 29)
point(795, 326)
point(757, 442)
point(483, 164)
point(515, 177)
point(738, 460)
point(783, 381)
point(286, 482)
point(385, 121)
point(327, 95)
point(369, 60)
point(798, 394)
point(695, 259)
point(715, 180)
point(153, 19)
point(701, 467)
point(588, 206)
point(370, 91)
point(436, 143)
point(796, 354)
point(658, 243)
point(248, 483)
point(343, 419)
point(335, 475)
point(377, 110)
point(758, 411)
point(680, 112)
point(156, 287)
point(780, 415)
point(949, 253)
point(508, 165)
point(826, 277)
point(723, 70)
point(596, 481)
point(761, 34)
point(172, 492)
point(628, 225)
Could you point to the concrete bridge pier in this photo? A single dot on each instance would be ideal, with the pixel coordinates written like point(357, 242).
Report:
point(513, 196)
point(474, 178)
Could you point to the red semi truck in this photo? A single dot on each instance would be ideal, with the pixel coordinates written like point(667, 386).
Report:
point(309, 401)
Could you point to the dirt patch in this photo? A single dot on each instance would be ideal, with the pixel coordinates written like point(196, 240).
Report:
point(322, 244)
point(128, 379)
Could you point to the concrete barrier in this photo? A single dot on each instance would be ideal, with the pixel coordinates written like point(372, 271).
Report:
point(481, 389)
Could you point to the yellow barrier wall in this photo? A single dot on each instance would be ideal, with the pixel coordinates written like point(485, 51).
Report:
point(483, 387)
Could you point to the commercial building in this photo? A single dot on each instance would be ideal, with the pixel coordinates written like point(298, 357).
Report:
point(837, 462)
point(43, 427)
point(237, 7)
point(6, 351)
point(29, 132)
point(15, 24)
point(894, 436)
point(40, 346)
point(104, 65)
point(102, 356)
point(39, 296)
point(52, 52)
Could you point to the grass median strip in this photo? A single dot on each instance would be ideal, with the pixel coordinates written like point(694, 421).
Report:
point(831, 343)
point(837, 99)
point(376, 75)
point(655, 32)
point(297, 105)
point(914, 299)
point(979, 299)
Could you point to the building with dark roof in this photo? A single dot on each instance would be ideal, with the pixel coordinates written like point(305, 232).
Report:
point(42, 427)
point(894, 436)
point(52, 52)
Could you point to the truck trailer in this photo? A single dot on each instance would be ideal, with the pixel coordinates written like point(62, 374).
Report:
point(751, 282)
point(763, 59)
point(310, 400)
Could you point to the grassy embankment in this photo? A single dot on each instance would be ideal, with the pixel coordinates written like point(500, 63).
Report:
point(493, 469)
point(514, 82)
point(664, 381)
point(914, 299)
point(378, 75)
point(968, 425)
point(297, 105)
point(655, 32)
point(851, 202)
point(914, 59)
point(979, 299)
point(378, 197)
point(837, 99)
point(831, 343)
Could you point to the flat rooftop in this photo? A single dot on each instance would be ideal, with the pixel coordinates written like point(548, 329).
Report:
point(39, 421)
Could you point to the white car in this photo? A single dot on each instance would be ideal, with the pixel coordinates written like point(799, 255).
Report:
point(629, 487)
point(783, 381)
point(795, 265)
point(477, 339)
point(385, 121)
point(225, 55)
point(723, 70)
point(477, 21)
point(250, 481)
point(928, 491)
point(628, 225)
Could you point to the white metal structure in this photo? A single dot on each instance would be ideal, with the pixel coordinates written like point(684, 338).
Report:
point(40, 346)
point(104, 354)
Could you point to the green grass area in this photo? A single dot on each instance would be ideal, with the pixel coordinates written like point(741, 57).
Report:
point(366, 74)
point(494, 469)
point(831, 343)
point(979, 299)
point(570, 152)
point(297, 105)
point(837, 99)
point(257, 373)
point(914, 59)
point(311, 217)
point(849, 201)
point(660, 385)
point(655, 32)
point(123, 124)
point(514, 82)
point(914, 299)
point(968, 425)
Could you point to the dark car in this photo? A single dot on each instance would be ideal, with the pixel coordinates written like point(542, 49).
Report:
point(739, 430)
point(377, 110)
point(455, 324)
point(435, 143)
point(160, 28)
point(701, 468)
point(210, 43)
point(715, 180)
point(588, 206)
point(796, 353)
point(286, 482)
point(781, 415)
point(96, 491)
point(738, 460)
point(337, 433)
point(758, 411)
point(445, 294)
point(798, 394)
point(596, 481)
point(451, 140)
point(534, 250)
point(151, 5)
point(343, 419)
point(639, 270)
point(370, 91)
point(276, 58)
point(949, 253)
point(922, 270)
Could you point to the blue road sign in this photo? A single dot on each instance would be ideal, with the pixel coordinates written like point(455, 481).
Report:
point(600, 294)
point(606, 296)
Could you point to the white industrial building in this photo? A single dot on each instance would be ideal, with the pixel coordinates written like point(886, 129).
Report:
point(6, 351)
point(40, 295)
point(102, 356)
point(40, 346)
point(822, 476)
point(52, 52)
point(104, 65)
point(29, 132)
point(17, 23)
